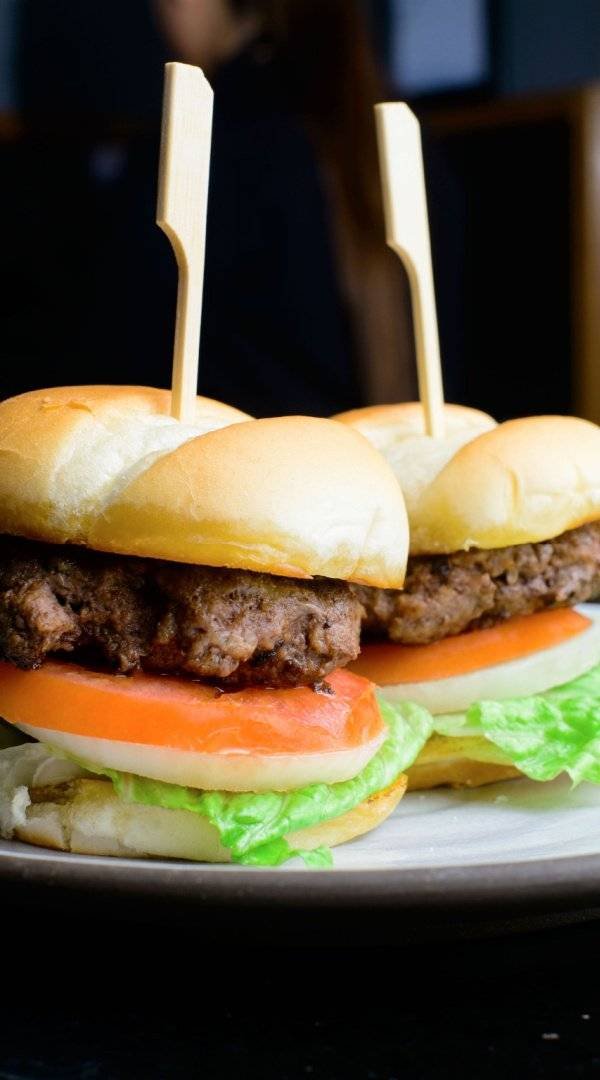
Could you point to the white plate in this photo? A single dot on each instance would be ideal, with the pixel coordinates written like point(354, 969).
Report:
point(517, 842)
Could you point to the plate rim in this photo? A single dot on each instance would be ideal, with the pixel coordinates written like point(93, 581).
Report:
point(571, 879)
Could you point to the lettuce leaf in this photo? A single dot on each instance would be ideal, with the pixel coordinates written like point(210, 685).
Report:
point(554, 732)
point(254, 825)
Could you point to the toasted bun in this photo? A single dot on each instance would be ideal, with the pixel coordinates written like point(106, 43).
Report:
point(457, 773)
point(525, 481)
point(88, 818)
point(294, 495)
point(463, 761)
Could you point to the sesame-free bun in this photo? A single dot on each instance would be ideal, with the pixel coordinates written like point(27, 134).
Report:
point(63, 450)
point(105, 467)
point(522, 482)
point(291, 495)
point(487, 485)
point(459, 761)
point(398, 432)
point(457, 773)
point(383, 425)
point(87, 817)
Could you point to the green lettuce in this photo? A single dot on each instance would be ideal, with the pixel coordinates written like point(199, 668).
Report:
point(554, 732)
point(254, 826)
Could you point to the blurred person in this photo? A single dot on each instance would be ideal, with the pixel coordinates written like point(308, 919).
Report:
point(305, 309)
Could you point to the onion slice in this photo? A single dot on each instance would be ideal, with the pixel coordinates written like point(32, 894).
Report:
point(211, 772)
point(532, 674)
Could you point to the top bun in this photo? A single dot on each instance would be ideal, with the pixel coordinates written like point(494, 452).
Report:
point(385, 425)
point(105, 467)
point(63, 450)
point(486, 485)
point(526, 480)
point(398, 431)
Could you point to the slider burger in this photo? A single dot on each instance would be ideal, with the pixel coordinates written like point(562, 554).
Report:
point(175, 615)
point(487, 634)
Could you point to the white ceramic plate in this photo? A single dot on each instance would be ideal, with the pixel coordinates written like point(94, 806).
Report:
point(516, 841)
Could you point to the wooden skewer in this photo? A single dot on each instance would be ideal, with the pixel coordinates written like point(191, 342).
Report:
point(407, 233)
point(181, 214)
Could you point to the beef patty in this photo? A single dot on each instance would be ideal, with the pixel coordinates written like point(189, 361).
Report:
point(232, 626)
point(449, 594)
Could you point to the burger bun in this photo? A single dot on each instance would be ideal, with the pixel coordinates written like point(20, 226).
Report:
point(293, 496)
point(87, 817)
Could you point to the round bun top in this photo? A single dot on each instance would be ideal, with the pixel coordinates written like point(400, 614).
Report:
point(524, 481)
point(398, 431)
point(106, 467)
point(486, 485)
point(63, 450)
point(386, 425)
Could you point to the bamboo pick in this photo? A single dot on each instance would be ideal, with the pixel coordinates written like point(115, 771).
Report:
point(181, 214)
point(407, 233)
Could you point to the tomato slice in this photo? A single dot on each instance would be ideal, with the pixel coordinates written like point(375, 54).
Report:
point(163, 711)
point(390, 665)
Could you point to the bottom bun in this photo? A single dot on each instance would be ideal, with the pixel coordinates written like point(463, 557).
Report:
point(87, 817)
point(459, 761)
point(458, 772)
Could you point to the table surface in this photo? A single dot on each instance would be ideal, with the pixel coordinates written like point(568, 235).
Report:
point(103, 998)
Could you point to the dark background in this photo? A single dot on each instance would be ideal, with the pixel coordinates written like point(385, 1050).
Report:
point(89, 999)
point(87, 281)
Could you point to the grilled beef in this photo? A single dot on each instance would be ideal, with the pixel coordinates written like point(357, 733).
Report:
point(235, 627)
